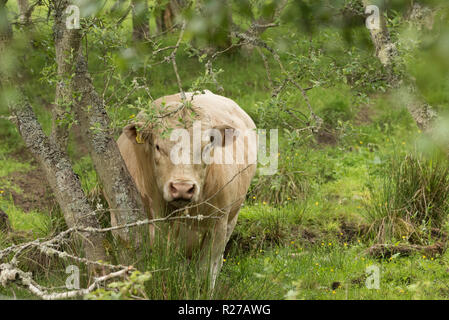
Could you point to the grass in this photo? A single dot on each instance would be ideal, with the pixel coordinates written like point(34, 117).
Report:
point(299, 232)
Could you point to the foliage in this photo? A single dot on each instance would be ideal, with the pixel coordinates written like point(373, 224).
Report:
point(302, 232)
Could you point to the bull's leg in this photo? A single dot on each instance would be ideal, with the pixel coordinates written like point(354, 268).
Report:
point(230, 227)
point(212, 257)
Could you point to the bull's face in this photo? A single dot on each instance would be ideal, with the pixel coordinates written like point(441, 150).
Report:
point(178, 162)
point(179, 183)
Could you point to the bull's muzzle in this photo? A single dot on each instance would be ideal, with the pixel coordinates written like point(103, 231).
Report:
point(182, 191)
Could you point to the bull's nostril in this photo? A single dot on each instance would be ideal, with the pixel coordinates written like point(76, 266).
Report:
point(182, 190)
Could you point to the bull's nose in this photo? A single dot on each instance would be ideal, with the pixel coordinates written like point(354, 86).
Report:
point(182, 190)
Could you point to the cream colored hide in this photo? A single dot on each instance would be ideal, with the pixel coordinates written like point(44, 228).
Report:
point(211, 190)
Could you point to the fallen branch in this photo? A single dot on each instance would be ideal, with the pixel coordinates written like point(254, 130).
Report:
point(10, 273)
point(388, 250)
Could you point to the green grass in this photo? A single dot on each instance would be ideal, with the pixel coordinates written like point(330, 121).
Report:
point(298, 235)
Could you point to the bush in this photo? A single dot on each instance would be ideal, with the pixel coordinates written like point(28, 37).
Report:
point(412, 200)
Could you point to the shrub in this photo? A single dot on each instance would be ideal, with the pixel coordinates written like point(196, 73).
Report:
point(412, 200)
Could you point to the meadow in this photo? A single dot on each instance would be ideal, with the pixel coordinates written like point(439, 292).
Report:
point(304, 232)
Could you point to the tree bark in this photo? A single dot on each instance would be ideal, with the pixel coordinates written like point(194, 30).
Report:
point(120, 190)
point(5, 27)
point(386, 52)
point(67, 45)
point(141, 20)
point(24, 12)
point(63, 181)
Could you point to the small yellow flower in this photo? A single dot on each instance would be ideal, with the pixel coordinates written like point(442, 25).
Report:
point(316, 203)
point(132, 116)
point(224, 260)
point(361, 142)
point(401, 291)
point(289, 198)
point(332, 270)
point(424, 257)
point(345, 244)
point(292, 242)
point(403, 237)
point(264, 202)
point(333, 292)
point(2, 191)
point(330, 243)
point(254, 198)
point(403, 142)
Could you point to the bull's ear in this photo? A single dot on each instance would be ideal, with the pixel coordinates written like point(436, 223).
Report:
point(134, 133)
point(228, 134)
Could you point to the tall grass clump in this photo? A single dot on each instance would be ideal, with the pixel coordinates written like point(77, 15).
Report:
point(411, 200)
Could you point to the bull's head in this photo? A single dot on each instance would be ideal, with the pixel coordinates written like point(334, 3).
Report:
point(177, 160)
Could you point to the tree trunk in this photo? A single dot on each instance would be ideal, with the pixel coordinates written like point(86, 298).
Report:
point(141, 20)
point(67, 45)
point(24, 12)
point(386, 52)
point(120, 191)
point(63, 181)
point(5, 27)
point(58, 170)
point(166, 16)
point(117, 7)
